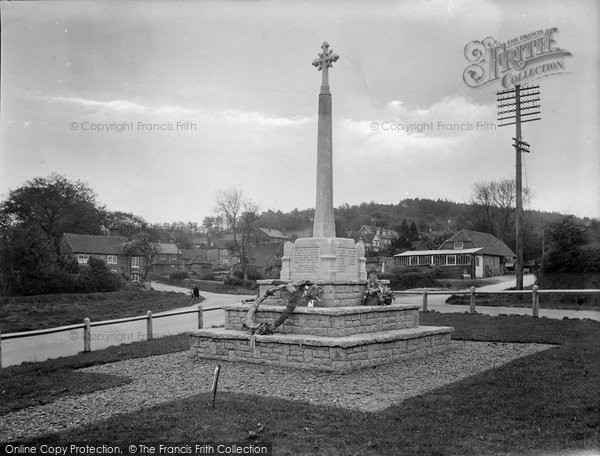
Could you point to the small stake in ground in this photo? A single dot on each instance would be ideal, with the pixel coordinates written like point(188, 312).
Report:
point(215, 383)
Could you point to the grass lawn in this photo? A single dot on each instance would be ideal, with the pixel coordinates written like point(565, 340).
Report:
point(545, 403)
point(46, 311)
point(210, 286)
point(581, 302)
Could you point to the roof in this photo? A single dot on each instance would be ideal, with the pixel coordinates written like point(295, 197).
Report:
point(438, 252)
point(263, 254)
point(273, 233)
point(489, 243)
point(171, 249)
point(188, 254)
point(90, 243)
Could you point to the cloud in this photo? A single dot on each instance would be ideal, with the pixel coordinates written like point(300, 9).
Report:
point(452, 109)
point(122, 108)
point(259, 119)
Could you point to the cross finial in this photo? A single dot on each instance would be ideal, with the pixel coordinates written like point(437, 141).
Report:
point(325, 61)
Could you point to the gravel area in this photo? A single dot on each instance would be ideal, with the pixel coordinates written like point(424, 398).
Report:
point(161, 379)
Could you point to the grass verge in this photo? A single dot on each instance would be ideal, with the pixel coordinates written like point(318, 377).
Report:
point(36, 383)
point(581, 302)
point(212, 287)
point(545, 403)
point(46, 311)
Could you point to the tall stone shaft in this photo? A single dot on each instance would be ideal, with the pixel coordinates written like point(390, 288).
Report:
point(324, 223)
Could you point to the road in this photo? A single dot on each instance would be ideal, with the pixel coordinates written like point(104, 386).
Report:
point(40, 348)
point(438, 303)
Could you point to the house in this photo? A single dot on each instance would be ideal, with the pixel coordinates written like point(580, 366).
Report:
point(169, 259)
point(218, 253)
point(266, 258)
point(269, 235)
point(196, 260)
point(466, 254)
point(380, 238)
point(366, 238)
point(106, 248)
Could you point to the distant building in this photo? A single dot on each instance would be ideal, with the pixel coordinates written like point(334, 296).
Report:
point(468, 253)
point(269, 235)
point(266, 258)
point(82, 247)
point(196, 260)
point(169, 259)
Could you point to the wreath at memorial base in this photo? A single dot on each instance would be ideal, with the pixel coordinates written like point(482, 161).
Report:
point(300, 292)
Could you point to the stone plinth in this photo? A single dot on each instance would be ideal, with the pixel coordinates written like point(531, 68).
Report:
point(337, 339)
point(338, 354)
point(327, 321)
point(328, 259)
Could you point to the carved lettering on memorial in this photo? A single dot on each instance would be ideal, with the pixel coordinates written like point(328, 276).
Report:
point(306, 260)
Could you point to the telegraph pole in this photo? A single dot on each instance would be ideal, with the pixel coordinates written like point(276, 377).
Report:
point(515, 106)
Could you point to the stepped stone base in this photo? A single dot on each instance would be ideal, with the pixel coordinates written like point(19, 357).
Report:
point(328, 321)
point(339, 354)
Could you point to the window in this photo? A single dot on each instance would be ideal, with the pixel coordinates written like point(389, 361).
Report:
point(414, 260)
point(450, 259)
point(83, 258)
point(135, 277)
point(458, 245)
point(135, 262)
point(111, 259)
point(114, 271)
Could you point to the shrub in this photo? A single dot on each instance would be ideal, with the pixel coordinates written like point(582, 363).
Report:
point(209, 276)
point(179, 275)
point(412, 278)
point(234, 281)
point(253, 273)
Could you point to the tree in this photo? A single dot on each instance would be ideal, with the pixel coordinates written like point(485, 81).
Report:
point(145, 245)
point(55, 205)
point(494, 208)
point(125, 223)
point(241, 217)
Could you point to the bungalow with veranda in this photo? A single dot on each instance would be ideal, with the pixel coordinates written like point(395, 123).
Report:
point(467, 254)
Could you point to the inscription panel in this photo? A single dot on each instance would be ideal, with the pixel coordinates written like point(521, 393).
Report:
point(347, 259)
point(306, 260)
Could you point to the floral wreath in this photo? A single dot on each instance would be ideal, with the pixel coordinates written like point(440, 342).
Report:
point(376, 292)
point(299, 291)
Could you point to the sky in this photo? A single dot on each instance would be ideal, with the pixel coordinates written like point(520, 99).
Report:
point(158, 105)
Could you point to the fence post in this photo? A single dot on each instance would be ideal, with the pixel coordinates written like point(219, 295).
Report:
point(535, 301)
point(200, 319)
point(472, 301)
point(424, 300)
point(87, 335)
point(149, 334)
point(0, 349)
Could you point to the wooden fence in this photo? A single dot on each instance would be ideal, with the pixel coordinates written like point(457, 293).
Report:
point(535, 293)
point(87, 326)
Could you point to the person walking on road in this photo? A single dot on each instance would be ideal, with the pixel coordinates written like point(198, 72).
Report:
point(195, 293)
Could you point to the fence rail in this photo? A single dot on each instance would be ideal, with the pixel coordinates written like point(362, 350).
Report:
point(87, 325)
point(535, 293)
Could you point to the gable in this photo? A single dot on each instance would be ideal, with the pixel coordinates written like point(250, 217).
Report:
point(488, 243)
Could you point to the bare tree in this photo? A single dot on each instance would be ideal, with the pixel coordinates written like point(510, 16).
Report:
point(240, 216)
point(494, 207)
